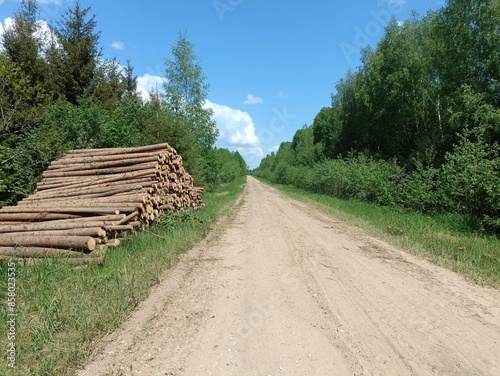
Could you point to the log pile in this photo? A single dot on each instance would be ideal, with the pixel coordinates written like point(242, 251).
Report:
point(90, 198)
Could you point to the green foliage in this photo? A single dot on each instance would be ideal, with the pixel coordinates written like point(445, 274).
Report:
point(80, 51)
point(305, 151)
point(172, 222)
point(449, 240)
point(23, 165)
point(58, 94)
point(417, 125)
point(21, 103)
point(227, 167)
point(186, 91)
point(471, 177)
point(21, 45)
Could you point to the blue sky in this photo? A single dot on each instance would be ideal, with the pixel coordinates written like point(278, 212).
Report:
point(271, 65)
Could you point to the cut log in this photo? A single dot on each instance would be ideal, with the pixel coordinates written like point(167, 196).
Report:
point(114, 151)
point(116, 228)
point(97, 180)
point(82, 193)
point(107, 164)
point(117, 209)
point(79, 192)
point(36, 252)
point(104, 171)
point(128, 218)
point(96, 232)
point(21, 261)
point(76, 159)
point(23, 217)
point(113, 243)
point(54, 226)
point(107, 182)
point(76, 242)
point(127, 198)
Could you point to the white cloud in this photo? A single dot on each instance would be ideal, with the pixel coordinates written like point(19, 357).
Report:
point(43, 32)
point(118, 45)
point(282, 95)
point(251, 99)
point(148, 82)
point(274, 149)
point(237, 130)
point(399, 3)
point(7, 23)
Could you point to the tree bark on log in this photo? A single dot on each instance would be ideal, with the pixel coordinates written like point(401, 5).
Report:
point(77, 242)
point(102, 165)
point(36, 252)
point(108, 187)
point(22, 217)
point(82, 194)
point(77, 159)
point(114, 151)
point(116, 209)
point(55, 225)
point(96, 232)
point(27, 261)
point(144, 175)
point(105, 171)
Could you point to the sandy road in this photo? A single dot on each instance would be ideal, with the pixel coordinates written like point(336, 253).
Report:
point(279, 289)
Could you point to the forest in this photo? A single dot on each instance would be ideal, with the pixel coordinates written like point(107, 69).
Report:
point(416, 125)
point(58, 93)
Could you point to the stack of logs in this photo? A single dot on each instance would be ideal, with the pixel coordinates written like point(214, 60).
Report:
point(90, 198)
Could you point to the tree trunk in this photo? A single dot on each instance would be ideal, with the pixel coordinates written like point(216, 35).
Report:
point(77, 242)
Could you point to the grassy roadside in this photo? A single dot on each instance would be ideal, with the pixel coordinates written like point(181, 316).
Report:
point(446, 240)
point(61, 311)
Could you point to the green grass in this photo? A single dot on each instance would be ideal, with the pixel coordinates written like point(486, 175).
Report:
point(448, 240)
point(61, 312)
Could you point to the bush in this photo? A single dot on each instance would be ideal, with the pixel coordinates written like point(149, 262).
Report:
point(470, 179)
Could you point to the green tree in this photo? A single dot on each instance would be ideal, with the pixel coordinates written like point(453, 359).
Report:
point(468, 47)
point(305, 150)
point(404, 122)
point(21, 103)
point(186, 92)
point(80, 51)
point(327, 128)
point(110, 84)
point(21, 45)
point(130, 81)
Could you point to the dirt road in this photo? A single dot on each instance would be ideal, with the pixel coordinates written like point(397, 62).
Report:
point(279, 289)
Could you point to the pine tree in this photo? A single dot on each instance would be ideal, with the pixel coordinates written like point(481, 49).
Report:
point(81, 52)
point(20, 44)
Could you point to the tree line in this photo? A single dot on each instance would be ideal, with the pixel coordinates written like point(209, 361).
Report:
point(417, 125)
point(57, 93)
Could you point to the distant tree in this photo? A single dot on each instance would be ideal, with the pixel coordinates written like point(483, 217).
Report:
point(186, 92)
point(467, 50)
point(21, 44)
point(21, 102)
point(306, 152)
point(80, 51)
point(403, 93)
point(326, 130)
point(130, 81)
point(109, 84)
